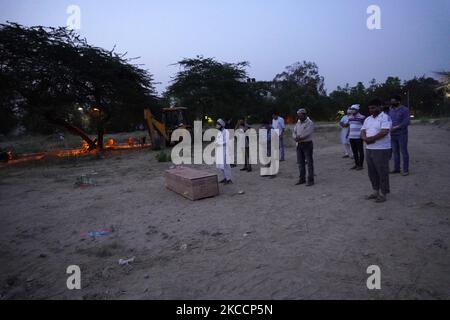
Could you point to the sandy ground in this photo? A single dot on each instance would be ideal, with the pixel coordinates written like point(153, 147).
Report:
point(277, 241)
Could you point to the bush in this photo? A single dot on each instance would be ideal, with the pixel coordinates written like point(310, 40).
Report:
point(163, 157)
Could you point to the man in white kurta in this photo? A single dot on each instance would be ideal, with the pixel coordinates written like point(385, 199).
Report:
point(344, 123)
point(222, 152)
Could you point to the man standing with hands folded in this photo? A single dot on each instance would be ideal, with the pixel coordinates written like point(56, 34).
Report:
point(376, 133)
point(303, 134)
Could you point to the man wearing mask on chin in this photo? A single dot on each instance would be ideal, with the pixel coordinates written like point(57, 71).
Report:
point(376, 133)
point(222, 154)
point(303, 136)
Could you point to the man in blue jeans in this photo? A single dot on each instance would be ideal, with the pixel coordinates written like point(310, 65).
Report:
point(400, 117)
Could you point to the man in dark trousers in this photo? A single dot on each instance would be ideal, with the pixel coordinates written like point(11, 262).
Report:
point(356, 121)
point(303, 136)
point(400, 117)
point(376, 133)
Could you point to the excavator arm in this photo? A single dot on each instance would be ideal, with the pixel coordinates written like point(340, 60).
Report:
point(155, 127)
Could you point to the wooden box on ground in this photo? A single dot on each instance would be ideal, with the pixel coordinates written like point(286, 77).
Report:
point(192, 183)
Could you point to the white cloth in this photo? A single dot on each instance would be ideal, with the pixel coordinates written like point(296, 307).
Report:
point(278, 124)
point(222, 152)
point(373, 126)
point(345, 131)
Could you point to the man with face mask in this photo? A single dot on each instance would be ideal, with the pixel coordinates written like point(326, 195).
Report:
point(376, 133)
point(303, 136)
point(400, 116)
point(222, 154)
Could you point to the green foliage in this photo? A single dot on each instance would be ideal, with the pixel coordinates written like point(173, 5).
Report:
point(57, 72)
point(208, 87)
point(163, 156)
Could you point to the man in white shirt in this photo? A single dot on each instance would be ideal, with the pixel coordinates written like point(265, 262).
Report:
point(279, 126)
point(376, 133)
point(222, 152)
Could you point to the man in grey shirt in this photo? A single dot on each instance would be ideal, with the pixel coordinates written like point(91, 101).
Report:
point(303, 134)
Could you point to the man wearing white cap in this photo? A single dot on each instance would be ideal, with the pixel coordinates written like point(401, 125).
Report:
point(356, 122)
point(222, 154)
point(345, 131)
point(303, 136)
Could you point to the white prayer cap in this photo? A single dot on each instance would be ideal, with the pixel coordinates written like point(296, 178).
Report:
point(301, 111)
point(221, 122)
point(355, 107)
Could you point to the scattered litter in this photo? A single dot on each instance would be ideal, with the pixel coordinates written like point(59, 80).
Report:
point(183, 247)
point(241, 192)
point(126, 262)
point(247, 234)
point(84, 181)
point(97, 233)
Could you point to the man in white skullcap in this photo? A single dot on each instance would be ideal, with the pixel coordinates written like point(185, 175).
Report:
point(222, 154)
point(303, 136)
point(344, 123)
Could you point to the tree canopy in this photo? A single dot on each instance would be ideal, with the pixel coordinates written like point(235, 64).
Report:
point(53, 76)
point(209, 87)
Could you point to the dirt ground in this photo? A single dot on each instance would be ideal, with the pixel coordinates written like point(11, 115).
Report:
point(276, 241)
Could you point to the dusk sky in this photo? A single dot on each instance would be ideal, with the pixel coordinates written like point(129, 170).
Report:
point(414, 39)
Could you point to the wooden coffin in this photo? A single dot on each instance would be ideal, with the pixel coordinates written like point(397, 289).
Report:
point(192, 183)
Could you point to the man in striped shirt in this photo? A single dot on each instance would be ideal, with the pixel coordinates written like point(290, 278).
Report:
point(356, 121)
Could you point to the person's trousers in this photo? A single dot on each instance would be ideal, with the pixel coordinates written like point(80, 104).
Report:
point(348, 149)
point(378, 168)
point(400, 145)
point(358, 151)
point(305, 158)
point(247, 165)
point(227, 172)
point(281, 148)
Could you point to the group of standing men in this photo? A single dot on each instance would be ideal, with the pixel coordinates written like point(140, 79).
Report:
point(384, 133)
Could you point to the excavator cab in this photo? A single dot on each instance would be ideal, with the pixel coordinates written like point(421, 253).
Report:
point(172, 119)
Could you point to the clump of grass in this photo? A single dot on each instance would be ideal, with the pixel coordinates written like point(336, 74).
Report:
point(163, 157)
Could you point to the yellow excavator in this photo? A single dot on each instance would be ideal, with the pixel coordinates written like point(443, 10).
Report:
point(159, 131)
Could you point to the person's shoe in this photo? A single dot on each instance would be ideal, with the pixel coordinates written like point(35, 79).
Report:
point(406, 173)
point(233, 165)
point(223, 181)
point(249, 170)
point(346, 156)
point(354, 168)
point(244, 169)
point(310, 184)
point(373, 196)
point(359, 168)
point(300, 182)
point(228, 182)
point(380, 199)
point(395, 172)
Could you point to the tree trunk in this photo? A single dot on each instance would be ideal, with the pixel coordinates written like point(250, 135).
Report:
point(100, 134)
point(75, 130)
